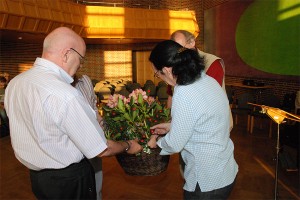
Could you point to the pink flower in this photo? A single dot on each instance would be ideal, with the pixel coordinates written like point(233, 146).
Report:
point(113, 100)
point(150, 100)
point(135, 94)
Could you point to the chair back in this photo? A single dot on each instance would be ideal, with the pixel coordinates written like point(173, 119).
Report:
point(104, 93)
point(271, 100)
point(118, 89)
point(94, 82)
point(150, 89)
point(229, 93)
point(244, 99)
point(149, 82)
point(289, 102)
point(133, 86)
point(162, 94)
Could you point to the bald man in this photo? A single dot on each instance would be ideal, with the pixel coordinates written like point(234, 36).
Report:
point(53, 129)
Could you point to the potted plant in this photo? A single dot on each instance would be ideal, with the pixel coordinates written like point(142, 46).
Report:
point(131, 118)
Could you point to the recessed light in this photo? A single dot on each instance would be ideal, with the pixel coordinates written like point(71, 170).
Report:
point(20, 38)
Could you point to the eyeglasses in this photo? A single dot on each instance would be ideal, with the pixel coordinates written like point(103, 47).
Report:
point(82, 59)
point(156, 75)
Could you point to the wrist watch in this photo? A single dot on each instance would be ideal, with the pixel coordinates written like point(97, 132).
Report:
point(128, 146)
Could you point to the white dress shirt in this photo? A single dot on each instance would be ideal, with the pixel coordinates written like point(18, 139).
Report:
point(51, 124)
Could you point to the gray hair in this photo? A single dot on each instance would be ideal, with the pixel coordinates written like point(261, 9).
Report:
point(189, 37)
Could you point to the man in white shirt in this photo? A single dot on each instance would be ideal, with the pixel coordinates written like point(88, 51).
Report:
point(53, 129)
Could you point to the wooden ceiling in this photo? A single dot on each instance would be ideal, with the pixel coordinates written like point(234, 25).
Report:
point(35, 38)
point(30, 21)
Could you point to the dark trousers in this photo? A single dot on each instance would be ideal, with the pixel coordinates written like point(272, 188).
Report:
point(218, 194)
point(76, 181)
point(4, 123)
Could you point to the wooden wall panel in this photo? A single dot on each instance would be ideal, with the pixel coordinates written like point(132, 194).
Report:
point(144, 71)
point(17, 57)
point(30, 10)
point(29, 24)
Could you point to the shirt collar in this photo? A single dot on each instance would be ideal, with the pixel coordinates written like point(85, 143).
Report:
point(55, 68)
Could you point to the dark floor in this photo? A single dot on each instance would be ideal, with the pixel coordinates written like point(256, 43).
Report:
point(254, 154)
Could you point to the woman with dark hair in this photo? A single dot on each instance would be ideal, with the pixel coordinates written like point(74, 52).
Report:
point(176, 55)
point(200, 125)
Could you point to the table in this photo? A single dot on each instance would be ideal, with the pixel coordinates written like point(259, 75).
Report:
point(257, 89)
point(248, 86)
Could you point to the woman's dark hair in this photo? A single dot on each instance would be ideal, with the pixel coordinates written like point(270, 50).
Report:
point(187, 64)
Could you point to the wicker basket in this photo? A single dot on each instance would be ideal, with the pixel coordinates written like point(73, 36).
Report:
point(144, 164)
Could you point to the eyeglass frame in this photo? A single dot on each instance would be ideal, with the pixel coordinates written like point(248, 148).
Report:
point(82, 58)
point(156, 75)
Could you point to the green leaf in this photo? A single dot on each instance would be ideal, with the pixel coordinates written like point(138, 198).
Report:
point(134, 114)
point(119, 118)
point(106, 108)
point(126, 116)
point(158, 107)
point(116, 136)
point(140, 99)
point(121, 104)
point(131, 101)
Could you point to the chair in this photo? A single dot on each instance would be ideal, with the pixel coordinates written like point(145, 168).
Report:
point(133, 86)
point(243, 108)
point(118, 89)
point(149, 82)
point(124, 92)
point(94, 82)
point(162, 94)
point(161, 83)
point(104, 93)
point(230, 94)
point(288, 104)
point(272, 101)
point(98, 86)
point(150, 89)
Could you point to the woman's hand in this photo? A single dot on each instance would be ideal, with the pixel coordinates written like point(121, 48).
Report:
point(134, 147)
point(160, 129)
point(152, 141)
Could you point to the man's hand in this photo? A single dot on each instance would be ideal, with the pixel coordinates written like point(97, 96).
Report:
point(116, 147)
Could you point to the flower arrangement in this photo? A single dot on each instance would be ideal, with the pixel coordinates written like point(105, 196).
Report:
point(131, 118)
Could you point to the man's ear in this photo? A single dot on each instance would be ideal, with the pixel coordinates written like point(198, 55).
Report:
point(65, 54)
point(193, 43)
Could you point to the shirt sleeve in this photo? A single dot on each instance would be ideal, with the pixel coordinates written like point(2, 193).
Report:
point(85, 86)
point(83, 129)
point(216, 71)
point(182, 125)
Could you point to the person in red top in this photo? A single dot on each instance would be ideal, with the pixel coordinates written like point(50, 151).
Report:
point(214, 66)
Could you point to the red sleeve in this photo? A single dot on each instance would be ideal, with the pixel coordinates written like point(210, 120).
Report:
point(216, 71)
point(169, 90)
